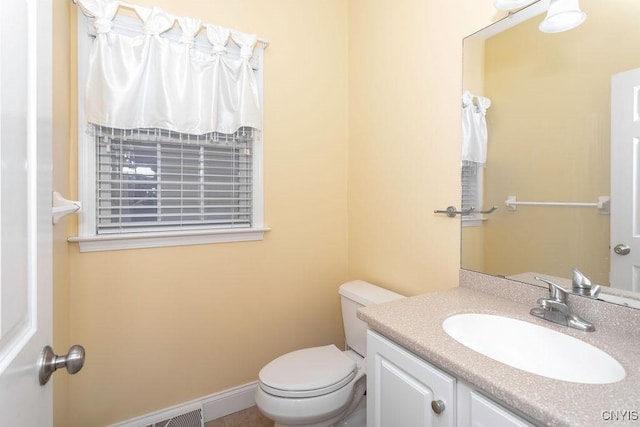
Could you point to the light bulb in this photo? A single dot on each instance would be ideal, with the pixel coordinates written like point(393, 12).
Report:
point(563, 15)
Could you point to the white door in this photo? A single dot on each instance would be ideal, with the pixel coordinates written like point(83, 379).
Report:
point(25, 210)
point(625, 180)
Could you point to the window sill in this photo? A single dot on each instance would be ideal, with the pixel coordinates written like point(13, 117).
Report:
point(116, 242)
point(473, 222)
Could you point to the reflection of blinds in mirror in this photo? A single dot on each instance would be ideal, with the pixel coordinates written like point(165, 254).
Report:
point(471, 188)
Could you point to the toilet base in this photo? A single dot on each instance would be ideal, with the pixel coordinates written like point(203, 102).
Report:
point(348, 417)
point(358, 418)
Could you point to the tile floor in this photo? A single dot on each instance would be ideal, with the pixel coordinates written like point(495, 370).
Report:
point(250, 417)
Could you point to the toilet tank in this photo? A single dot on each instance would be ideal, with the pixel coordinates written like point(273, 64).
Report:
point(356, 294)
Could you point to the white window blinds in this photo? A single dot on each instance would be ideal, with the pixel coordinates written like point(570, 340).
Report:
point(151, 179)
point(471, 189)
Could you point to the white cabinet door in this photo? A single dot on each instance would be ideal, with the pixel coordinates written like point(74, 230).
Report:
point(477, 410)
point(402, 387)
point(487, 413)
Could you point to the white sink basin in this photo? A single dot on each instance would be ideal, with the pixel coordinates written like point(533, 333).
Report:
point(534, 348)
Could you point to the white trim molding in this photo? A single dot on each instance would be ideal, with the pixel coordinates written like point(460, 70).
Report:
point(156, 417)
point(214, 406)
point(112, 242)
point(229, 401)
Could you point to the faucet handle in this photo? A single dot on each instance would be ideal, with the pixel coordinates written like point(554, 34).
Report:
point(556, 292)
point(580, 280)
point(582, 285)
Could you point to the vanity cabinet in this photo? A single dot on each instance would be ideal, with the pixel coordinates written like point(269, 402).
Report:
point(477, 410)
point(401, 388)
point(405, 390)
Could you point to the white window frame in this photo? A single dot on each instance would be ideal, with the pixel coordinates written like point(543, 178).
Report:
point(87, 238)
point(475, 219)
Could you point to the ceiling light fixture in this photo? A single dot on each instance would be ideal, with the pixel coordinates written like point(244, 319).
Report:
point(563, 15)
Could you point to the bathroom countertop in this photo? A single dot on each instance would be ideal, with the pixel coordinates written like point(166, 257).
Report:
point(416, 324)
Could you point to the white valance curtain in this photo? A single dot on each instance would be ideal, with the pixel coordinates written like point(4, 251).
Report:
point(474, 129)
point(151, 81)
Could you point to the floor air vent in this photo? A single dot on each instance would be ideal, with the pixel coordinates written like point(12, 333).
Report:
point(189, 415)
point(190, 419)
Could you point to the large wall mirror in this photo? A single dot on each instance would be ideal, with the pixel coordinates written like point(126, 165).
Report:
point(549, 141)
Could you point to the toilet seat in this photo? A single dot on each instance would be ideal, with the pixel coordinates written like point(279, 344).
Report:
point(308, 372)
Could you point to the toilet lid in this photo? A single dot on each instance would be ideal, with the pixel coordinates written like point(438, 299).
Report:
point(308, 372)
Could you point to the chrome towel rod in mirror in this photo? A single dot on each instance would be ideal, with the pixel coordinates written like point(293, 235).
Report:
point(452, 212)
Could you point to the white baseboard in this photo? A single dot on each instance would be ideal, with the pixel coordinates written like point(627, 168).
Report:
point(214, 406)
point(229, 401)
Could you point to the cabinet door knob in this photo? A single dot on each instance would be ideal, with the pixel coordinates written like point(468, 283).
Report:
point(437, 406)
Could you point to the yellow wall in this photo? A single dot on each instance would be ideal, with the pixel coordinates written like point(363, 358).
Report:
point(473, 65)
point(405, 63)
point(549, 140)
point(61, 308)
point(163, 326)
point(472, 250)
point(374, 89)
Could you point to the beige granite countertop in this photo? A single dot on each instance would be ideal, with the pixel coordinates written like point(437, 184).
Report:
point(415, 323)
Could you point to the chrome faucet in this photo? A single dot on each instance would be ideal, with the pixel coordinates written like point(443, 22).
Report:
point(556, 310)
point(582, 285)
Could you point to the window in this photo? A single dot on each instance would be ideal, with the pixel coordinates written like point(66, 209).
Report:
point(154, 187)
point(150, 180)
point(472, 193)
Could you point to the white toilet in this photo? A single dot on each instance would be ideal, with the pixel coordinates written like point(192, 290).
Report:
point(323, 386)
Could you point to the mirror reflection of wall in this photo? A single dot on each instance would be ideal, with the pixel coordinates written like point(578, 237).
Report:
point(549, 140)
